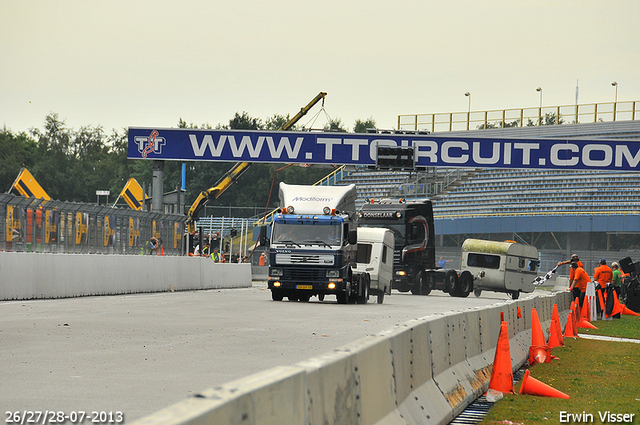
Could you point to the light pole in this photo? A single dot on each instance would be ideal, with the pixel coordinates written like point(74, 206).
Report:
point(539, 89)
point(615, 101)
point(468, 109)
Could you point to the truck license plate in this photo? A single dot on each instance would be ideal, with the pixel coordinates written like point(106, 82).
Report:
point(304, 286)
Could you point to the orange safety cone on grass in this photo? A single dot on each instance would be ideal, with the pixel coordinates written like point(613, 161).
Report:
point(626, 310)
point(617, 307)
point(576, 314)
point(554, 340)
point(539, 350)
point(585, 316)
point(568, 329)
point(532, 386)
point(585, 312)
point(556, 316)
point(502, 373)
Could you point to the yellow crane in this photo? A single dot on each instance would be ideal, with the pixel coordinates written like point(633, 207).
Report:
point(236, 171)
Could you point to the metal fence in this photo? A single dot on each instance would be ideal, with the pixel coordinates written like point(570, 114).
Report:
point(36, 225)
point(521, 117)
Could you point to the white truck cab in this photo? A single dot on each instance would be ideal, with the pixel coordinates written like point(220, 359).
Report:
point(375, 257)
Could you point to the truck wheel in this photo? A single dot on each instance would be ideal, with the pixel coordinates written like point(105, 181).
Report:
point(514, 295)
point(403, 288)
point(321, 297)
point(293, 297)
point(451, 282)
point(342, 298)
point(363, 283)
point(380, 296)
point(426, 285)
point(477, 292)
point(276, 295)
point(466, 284)
point(418, 285)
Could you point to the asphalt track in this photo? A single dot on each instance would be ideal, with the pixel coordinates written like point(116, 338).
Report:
point(139, 353)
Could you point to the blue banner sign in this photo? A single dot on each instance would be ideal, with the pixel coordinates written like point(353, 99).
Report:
point(360, 149)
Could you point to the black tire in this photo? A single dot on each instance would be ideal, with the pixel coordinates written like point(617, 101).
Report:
point(363, 283)
point(403, 288)
point(276, 295)
point(477, 292)
point(380, 296)
point(514, 295)
point(426, 286)
point(451, 282)
point(293, 297)
point(321, 297)
point(418, 285)
point(342, 298)
point(466, 284)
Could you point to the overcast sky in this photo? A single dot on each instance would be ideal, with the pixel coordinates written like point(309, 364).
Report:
point(121, 63)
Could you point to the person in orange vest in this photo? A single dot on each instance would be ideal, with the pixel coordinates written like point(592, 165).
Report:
point(574, 259)
point(263, 259)
point(602, 275)
point(579, 282)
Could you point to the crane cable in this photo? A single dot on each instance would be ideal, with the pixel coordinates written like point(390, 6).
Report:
point(315, 117)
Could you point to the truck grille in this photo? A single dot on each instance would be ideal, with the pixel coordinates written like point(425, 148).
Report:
point(304, 274)
point(325, 260)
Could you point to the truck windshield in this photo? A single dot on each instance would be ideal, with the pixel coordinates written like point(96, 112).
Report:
point(398, 229)
point(306, 234)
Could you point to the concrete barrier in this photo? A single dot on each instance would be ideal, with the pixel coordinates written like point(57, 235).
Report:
point(34, 275)
point(425, 371)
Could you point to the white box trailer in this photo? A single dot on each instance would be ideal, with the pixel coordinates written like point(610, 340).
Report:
point(375, 259)
point(500, 266)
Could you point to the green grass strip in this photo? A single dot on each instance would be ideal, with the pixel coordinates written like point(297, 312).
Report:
point(601, 377)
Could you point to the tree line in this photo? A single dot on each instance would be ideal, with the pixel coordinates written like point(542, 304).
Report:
point(71, 165)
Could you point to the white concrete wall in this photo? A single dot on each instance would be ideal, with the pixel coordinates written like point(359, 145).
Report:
point(32, 275)
point(423, 372)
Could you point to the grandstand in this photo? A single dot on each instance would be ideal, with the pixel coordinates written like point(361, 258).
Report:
point(593, 213)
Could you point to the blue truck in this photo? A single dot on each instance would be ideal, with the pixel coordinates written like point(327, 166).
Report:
point(312, 245)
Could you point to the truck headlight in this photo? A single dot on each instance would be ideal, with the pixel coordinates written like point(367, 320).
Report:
point(400, 273)
point(333, 273)
point(275, 272)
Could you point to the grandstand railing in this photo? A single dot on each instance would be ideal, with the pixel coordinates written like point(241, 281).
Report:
point(522, 117)
point(533, 213)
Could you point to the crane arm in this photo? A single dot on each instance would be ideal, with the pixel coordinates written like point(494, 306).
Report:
point(237, 170)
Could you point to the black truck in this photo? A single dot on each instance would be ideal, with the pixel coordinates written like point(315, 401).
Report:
point(414, 262)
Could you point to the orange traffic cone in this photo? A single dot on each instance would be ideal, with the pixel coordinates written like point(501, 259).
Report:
point(585, 316)
point(554, 341)
point(586, 324)
point(568, 329)
point(532, 386)
point(539, 350)
point(576, 318)
point(617, 307)
point(519, 313)
point(537, 336)
point(502, 373)
point(585, 313)
point(558, 329)
point(626, 310)
point(161, 250)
